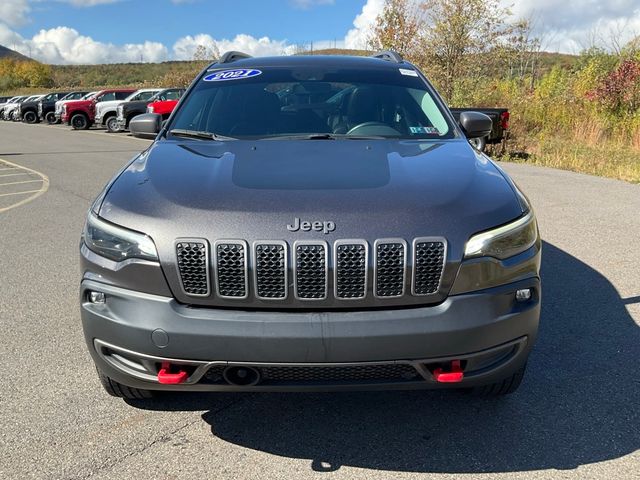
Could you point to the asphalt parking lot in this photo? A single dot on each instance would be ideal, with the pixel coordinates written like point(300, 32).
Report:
point(577, 414)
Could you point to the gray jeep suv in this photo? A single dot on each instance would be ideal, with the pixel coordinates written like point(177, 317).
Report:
point(310, 223)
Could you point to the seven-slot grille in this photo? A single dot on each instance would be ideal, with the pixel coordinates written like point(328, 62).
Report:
point(350, 264)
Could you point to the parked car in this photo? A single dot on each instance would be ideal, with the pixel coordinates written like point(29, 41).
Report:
point(6, 102)
point(12, 110)
point(64, 101)
point(106, 111)
point(29, 109)
point(163, 104)
point(47, 106)
point(500, 125)
point(129, 109)
point(80, 114)
point(360, 244)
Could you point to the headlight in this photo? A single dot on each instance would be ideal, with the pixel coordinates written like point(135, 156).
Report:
point(506, 241)
point(117, 243)
point(149, 109)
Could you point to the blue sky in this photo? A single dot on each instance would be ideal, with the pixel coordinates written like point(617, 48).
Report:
point(108, 31)
point(164, 21)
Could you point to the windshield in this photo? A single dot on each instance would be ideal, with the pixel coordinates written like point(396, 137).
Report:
point(281, 102)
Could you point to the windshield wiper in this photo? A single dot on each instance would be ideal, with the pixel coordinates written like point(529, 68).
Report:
point(179, 132)
point(325, 136)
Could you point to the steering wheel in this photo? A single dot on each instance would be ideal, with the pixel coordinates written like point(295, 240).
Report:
point(373, 128)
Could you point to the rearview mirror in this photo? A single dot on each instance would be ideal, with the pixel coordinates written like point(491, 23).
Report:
point(475, 124)
point(146, 125)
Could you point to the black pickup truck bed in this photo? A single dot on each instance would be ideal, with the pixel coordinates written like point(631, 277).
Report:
point(500, 119)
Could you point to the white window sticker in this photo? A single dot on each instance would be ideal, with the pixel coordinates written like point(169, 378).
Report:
point(410, 73)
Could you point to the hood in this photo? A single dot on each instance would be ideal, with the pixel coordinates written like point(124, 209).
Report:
point(252, 190)
point(136, 105)
point(111, 104)
point(78, 103)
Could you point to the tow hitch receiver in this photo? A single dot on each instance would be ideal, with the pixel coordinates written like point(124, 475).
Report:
point(167, 378)
point(454, 375)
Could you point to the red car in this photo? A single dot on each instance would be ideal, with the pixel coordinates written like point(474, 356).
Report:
point(81, 114)
point(165, 103)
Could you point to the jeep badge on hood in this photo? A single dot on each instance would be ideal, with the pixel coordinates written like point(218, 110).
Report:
point(317, 226)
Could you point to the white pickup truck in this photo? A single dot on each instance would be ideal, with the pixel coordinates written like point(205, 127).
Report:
point(106, 111)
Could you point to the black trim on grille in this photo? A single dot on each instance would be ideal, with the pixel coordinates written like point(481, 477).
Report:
point(390, 268)
point(310, 270)
point(270, 267)
point(193, 266)
point(231, 267)
point(429, 256)
point(351, 267)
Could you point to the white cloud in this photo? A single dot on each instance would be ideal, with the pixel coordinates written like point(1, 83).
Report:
point(14, 12)
point(185, 47)
point(358, 36)
point(572, 26)
point(66, 45)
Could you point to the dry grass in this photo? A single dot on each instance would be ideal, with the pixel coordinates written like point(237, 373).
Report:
point(604, 158)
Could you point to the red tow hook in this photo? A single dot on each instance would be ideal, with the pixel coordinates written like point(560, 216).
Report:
point(167, 378)
point(454, 375)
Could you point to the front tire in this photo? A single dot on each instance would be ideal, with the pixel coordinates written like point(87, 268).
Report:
point(79, 121)
point(504, 387)
point(50, 118)
point(118, 390)
point(112, 124)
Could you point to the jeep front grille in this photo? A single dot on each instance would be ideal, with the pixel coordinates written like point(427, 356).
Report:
point(311, 271)
point(428, 264)
point(390, 265)
point(231, 269)
point(269, 270)
point(351, 269)
point(193, 265)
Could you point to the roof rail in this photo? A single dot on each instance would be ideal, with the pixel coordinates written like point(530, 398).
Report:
point(389, 56)
point(232, 56)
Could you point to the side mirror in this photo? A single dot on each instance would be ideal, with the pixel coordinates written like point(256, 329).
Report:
point(146, 125)
point(475, 124)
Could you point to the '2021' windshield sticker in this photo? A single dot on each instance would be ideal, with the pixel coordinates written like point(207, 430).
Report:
point(236, 74)
point(406, 71)
point(425, 130)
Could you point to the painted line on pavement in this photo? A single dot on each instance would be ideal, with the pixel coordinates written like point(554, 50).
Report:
point(33, 194)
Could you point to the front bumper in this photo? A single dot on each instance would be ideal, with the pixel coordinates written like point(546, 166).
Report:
point(131, 334)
